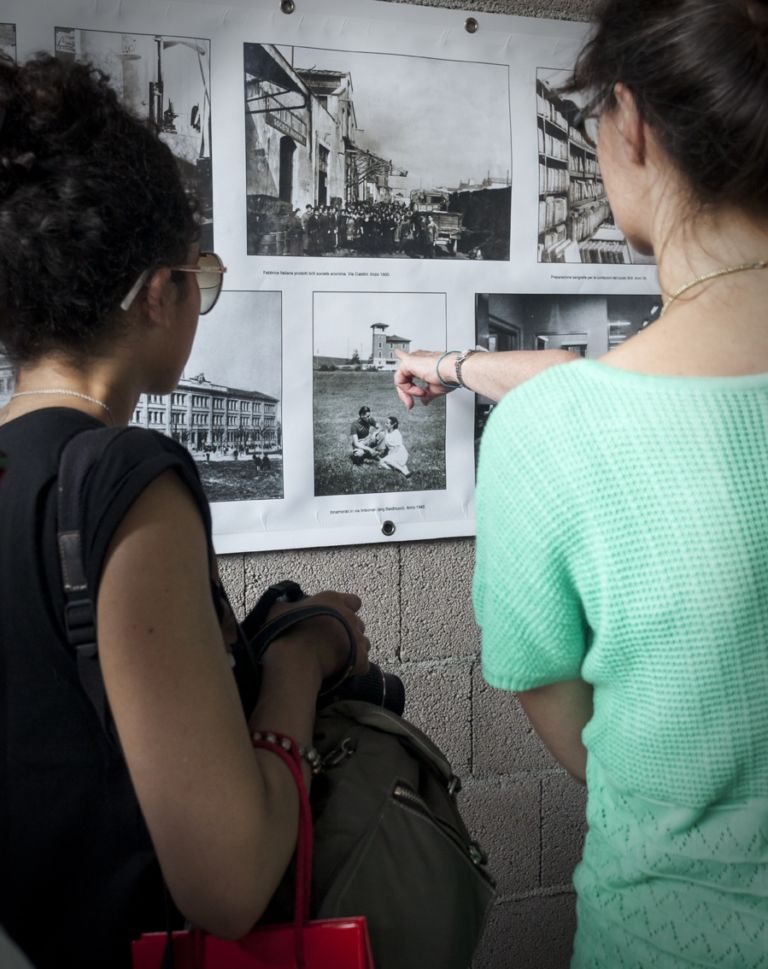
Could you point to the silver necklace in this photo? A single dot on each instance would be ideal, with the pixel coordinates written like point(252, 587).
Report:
point(65, 393)
point(724, 271)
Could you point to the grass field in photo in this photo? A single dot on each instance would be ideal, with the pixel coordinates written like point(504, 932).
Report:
point(241, 480)
point(338, 395)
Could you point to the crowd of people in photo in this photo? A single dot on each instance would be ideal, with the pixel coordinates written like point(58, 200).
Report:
point(363, 228)
point(260, 459)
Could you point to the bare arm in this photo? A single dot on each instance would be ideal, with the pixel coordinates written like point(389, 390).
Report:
point(489, 374)
point(222, 817)
point(558, 713)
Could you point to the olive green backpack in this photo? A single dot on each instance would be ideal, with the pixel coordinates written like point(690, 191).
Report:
point(390, 843)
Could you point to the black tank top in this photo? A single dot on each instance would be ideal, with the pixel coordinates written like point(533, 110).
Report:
point(78, 874)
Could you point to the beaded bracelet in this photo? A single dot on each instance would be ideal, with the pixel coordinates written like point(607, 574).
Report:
point(445, 383)
point(265, 739)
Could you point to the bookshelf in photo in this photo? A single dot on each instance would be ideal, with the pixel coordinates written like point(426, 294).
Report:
point(575, 220)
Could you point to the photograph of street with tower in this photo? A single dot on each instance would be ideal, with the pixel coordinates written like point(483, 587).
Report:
point(376, 155)
point(8, 40)
point(167, 81)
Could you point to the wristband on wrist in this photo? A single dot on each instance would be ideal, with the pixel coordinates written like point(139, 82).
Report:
point(266, 739)
point(445, 383)
point(460, 362)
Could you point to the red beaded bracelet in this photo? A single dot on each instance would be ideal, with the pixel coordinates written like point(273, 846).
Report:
point(268, 738)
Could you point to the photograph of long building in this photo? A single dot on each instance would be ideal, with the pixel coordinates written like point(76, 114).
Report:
point(209, 418)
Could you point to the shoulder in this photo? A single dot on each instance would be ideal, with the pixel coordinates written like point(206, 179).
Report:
point(137, 452)
point(536, 408)
point(130, 463)
point(543, 436)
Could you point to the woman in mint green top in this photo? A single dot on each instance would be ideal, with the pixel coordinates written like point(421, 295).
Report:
point(622, 505)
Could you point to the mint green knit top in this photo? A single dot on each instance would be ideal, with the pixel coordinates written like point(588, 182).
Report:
point(622, 537)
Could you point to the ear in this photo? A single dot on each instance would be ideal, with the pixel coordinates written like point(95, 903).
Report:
point(159, 296)
point(630, 124)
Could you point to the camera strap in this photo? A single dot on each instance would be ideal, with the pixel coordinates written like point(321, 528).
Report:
point(270, 631)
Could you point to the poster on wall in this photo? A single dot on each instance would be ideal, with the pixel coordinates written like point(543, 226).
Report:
point(376, 179)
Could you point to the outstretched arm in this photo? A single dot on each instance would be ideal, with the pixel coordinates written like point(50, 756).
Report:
point(489, 374)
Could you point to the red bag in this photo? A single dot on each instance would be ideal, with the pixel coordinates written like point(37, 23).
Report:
point(323, 944)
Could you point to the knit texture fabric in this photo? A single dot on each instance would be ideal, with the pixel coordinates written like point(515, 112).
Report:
point(622, 537)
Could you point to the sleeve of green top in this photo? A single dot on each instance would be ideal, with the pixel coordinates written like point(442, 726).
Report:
point(533, 628)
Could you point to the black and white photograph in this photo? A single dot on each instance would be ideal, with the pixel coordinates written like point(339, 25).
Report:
point(354, 154)
point(226, 409)
point(587, 325)
point(166, 80)
point(576, 224)
point(365, 441)
point(8, 40)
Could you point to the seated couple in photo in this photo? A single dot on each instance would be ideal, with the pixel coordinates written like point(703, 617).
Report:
point(369, 441)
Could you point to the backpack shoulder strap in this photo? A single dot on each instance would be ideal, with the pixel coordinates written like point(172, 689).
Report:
point(79, 456)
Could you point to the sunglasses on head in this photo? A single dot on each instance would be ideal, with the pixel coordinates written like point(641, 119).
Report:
point(209, 273)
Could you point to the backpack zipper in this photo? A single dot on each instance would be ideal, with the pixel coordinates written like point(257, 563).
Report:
point(471, 849)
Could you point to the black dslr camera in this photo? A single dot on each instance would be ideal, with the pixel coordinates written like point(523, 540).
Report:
point(375, 686)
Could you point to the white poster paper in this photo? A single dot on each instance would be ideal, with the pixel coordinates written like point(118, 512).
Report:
point(374, 177)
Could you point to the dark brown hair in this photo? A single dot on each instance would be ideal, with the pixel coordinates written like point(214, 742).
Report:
point(89, 198)
point(698, 70)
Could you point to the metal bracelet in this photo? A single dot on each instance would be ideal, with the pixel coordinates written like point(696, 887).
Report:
point(445, 383)
point(460, 363)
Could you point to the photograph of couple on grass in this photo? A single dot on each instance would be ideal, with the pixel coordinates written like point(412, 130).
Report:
point(365, 442)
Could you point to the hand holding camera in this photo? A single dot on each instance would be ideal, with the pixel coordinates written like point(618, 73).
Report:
point(341, 644)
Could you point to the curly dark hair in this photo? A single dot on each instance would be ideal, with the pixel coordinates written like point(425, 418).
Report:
point(698, 70)
point(89, 197)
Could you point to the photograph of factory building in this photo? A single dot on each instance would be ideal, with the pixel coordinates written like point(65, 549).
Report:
point(365, 442)
point(167, 81)
point(353, 154)
point(8, 40)
point(587, 325)
point(226, 408)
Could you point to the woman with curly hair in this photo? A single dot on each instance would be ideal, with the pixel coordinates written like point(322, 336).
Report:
point(101, 286)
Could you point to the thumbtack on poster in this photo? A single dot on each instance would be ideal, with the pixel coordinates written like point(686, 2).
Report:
point(388, 528)
point(471, 25)
point(287, 6)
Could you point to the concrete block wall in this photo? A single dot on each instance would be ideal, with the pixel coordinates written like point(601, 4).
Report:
point(523, 809)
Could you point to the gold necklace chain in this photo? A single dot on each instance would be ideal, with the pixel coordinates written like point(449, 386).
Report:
point(724, 271)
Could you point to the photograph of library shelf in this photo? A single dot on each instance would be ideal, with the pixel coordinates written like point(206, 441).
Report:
point(353, 154)
point(365, 442)
point(8, 40)
point(575, 220)
point(588, 325)
point(167, 81)
point(226, 408)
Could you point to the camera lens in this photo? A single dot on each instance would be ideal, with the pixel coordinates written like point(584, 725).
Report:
point(375, 686)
